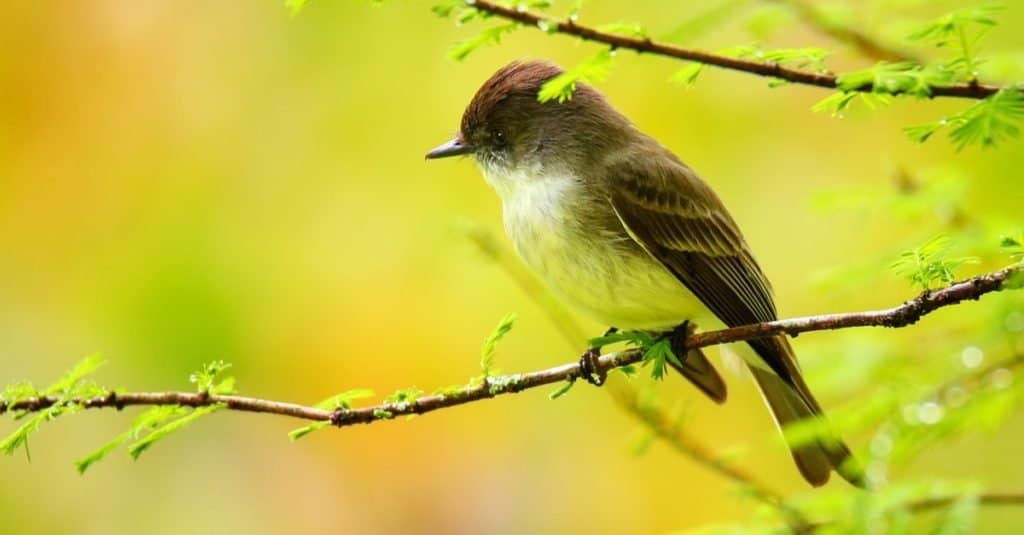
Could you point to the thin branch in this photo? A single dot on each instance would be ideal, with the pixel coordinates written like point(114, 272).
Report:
point(928, 504)
point(625, 394)
point(973, 90)
point(987, 498)
point(867, 45)
point(492, 386)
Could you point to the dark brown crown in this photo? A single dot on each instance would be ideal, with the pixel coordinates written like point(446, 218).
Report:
point(519, 78)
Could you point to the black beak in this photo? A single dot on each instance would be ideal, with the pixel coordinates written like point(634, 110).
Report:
point(454, 147)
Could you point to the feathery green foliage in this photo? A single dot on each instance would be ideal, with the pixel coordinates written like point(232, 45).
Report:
point(960, 31)
point(160, 421)
point(205, 377)
point(591, 70)
point(147, 441)
point(491, 343)
point(562, 390)
point(342, 400)
point(988, 122)
point(805, 57)
point(1014, 246)
point(657, 348)
point(488, 36)
point(146, 421)
point(69, 388)
point(930, 263)
point(629, 29)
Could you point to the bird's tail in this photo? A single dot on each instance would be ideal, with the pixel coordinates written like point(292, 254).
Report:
point(698, 369)
point(791, 401)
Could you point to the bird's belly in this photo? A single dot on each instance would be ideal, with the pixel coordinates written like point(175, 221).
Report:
point(629, 292)
point(600, 271)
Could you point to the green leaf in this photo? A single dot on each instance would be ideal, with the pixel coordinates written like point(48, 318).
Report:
point(162, 432)
point(988, 122)
point(961, 31)
point(688, 74)
point(659, 355)
point(897, 78)
point(19, 437)
point(70, 386)
point(205, 377)
point(812, 57)
point(922, 132)
point(444, 9)
point(991, 121)
point(152, 418)
point(592, 70)
point(100, 453)
point(929, 264)
point(344, 399)
point(296, 434)
point(629, 29)
point(404, 396)
point(562, 390)
point(18, 391)
point(574, 10)
point(491, 343)
point(488, 36)
point(72, 377)
point(1013, 245)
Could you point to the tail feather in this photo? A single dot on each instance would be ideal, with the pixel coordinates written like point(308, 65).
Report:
point(791, 401)
point(698, 369)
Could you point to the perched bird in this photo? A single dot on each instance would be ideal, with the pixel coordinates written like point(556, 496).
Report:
point(619, 227)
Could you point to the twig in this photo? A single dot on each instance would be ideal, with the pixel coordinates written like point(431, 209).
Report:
point(987, 498)
point(973, 90)
point(625, 394)
point(928, 504)
point(492, 386)
point(864, 43)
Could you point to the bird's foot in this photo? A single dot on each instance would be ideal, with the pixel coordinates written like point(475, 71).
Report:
point(590, 369)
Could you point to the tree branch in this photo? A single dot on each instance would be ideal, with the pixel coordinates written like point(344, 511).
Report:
point(864, 43)
point(492, 386)
point(928, 504)
point(973, 89)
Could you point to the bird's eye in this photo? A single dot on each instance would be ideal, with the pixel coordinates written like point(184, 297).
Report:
point(499, 137)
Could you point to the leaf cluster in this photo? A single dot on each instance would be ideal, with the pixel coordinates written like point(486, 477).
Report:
point(68, 390)
point(657, 348)
point(930, 263)
point(159, 422)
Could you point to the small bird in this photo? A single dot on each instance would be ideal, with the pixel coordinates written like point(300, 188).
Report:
point(618, 226)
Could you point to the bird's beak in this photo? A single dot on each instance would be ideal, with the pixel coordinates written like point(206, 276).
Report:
point(455, 147)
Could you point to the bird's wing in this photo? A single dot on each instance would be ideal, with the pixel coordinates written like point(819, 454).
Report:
point(680, 221)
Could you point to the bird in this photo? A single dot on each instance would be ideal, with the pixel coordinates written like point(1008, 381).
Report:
point(617, 226)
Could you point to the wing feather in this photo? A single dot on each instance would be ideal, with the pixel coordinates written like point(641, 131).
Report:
point(680, 221)
point(685, 226)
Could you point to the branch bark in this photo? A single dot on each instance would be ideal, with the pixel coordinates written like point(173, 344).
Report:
point(972, 90)
point(488, 387)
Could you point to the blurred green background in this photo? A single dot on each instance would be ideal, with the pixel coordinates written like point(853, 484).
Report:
point(188, 181)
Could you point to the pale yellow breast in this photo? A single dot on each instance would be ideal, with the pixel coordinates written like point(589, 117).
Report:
point(621, 287)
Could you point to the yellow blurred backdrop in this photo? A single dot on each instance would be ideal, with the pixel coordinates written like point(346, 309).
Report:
point(188, 181)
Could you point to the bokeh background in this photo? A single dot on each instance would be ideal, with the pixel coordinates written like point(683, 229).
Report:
point(189, 181)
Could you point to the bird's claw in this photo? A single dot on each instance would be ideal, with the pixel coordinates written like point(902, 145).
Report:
point(590, 369)
point(678, 336)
